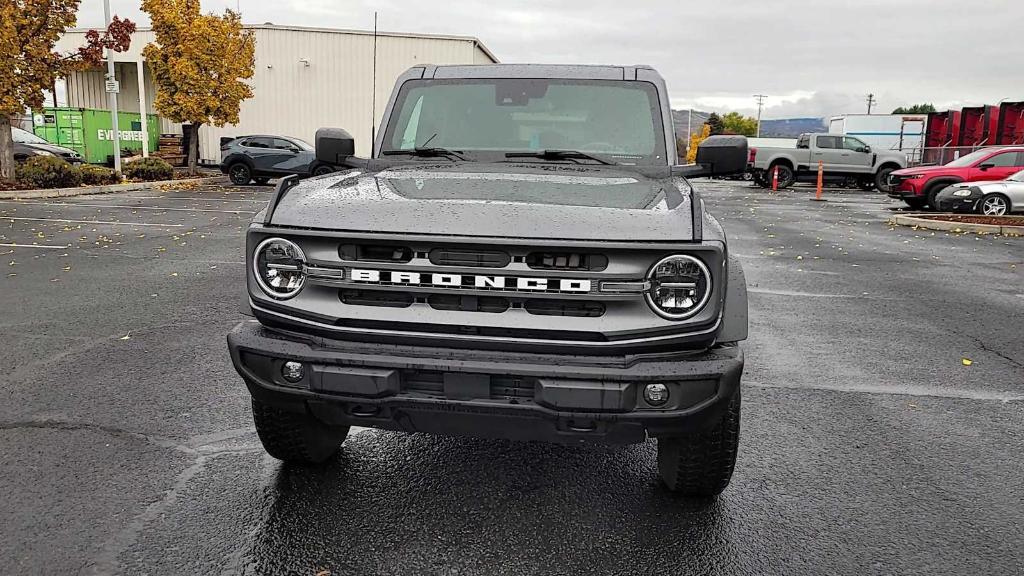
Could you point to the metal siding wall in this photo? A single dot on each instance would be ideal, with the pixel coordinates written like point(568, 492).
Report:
point(290, 98)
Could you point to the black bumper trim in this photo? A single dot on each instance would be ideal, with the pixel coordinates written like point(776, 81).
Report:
point(614, 414)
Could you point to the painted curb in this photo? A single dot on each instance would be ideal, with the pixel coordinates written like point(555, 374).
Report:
point(109, 189)
point(944, 226)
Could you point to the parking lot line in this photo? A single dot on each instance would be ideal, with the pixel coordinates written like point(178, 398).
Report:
point(133, 207)
point(103, 222)
point(40, 246)
point(198, 199)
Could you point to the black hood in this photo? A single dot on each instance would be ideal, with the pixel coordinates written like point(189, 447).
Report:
point(527, 200)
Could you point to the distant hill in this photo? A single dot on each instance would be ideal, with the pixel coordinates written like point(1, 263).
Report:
point(784, 128)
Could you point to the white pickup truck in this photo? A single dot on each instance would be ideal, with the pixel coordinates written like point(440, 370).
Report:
point(841, 156)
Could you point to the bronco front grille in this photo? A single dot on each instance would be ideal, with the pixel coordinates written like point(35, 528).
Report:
point(484, 294)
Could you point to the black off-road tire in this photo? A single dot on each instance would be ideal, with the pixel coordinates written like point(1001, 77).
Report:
point(701, 465)
point(295, 438)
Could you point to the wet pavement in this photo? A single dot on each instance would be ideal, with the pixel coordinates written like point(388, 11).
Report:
point(868, 446)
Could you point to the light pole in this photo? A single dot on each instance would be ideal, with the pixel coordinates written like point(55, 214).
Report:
point(871, 102)
point(112, 89)
point(760, 104)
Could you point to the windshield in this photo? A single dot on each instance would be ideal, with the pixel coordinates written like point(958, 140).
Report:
point(486, 118)
point(969, 159)
point(22, 137)
point(1018, 177)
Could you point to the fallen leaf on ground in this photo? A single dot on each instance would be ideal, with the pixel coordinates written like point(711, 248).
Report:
point(966, 361)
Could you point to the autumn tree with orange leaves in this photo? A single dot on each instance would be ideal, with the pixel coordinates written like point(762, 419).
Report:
point(199, 63)
point(29, 29)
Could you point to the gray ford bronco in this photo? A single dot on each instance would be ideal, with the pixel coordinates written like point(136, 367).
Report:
point(521, 257)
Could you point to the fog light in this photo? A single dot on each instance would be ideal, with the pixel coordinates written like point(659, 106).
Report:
point(656, 394)
point(292, 371)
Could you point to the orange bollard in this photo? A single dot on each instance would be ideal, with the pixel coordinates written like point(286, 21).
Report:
point(821, 178)
point(821, 181)
point(775, 179)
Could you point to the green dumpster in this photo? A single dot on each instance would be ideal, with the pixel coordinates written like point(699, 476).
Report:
point(88, 131)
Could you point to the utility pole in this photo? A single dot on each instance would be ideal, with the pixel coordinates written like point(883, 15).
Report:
point(760, 104)
point(871, 102)
point(112, 89)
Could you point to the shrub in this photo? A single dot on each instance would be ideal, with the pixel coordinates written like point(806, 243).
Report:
point(47, 172)
point(149, 169)
point(98, 175)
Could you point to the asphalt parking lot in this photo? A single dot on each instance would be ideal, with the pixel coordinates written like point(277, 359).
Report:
point(869, 446)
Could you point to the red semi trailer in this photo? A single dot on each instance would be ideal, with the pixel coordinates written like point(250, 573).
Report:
point(978, 126)
point(941, 136)
point(1011, 123)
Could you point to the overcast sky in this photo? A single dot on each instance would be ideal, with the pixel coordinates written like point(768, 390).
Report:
point(811, 57)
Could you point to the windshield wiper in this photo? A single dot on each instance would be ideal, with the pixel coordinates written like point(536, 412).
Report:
point(560, 155)
point(422, 152)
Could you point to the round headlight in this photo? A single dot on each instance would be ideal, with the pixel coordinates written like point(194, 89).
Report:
point(680, 287)
point(280, 267)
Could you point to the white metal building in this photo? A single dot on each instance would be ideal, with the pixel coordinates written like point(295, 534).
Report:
point(305, 78)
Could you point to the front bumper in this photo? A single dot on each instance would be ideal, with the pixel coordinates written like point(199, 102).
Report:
point(906, 188)
point(961, 204)
point(520, 396)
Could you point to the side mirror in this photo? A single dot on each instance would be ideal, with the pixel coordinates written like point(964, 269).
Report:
point(722, 155)
point(866, 149)
point(334, 145)
point(986, 166)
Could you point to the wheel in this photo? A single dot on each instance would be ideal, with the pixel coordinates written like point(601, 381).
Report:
point(786, 175)
point(701, 465)
point(994, 205)
point(261, 181)
point(882, 179)
point(915, 203)
point(295, 438)
point(747, 176)
point(322, 169)
point(932, 191)
point(240, 174)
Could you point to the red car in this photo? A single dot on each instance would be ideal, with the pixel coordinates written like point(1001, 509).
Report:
point(919, 186)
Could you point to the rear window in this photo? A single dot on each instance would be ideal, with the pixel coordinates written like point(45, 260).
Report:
point(834, 142)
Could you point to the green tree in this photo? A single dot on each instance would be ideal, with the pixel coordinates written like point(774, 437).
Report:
point(29, 29)
point(736, 123)
point(915, 109)
point(199, 62)
point(715, 124)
